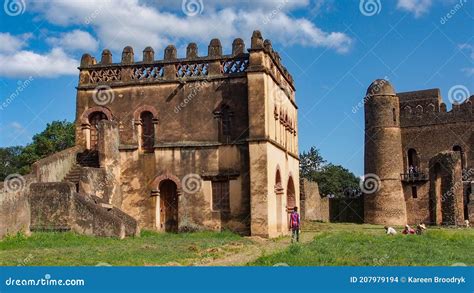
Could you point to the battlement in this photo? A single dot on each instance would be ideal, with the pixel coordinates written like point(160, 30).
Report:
point(174, 69)
point(425, 107)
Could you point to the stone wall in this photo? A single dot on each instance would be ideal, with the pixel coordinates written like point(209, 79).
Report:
point(55, 167)
point(58, 207)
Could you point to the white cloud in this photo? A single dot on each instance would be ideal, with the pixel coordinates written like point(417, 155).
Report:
point(118, 23)
point(10, 43)
point(417, 7)
point(28, 63)
point(75, 40)
point(469, 49)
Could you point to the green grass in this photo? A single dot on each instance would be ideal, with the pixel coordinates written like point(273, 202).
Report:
point(367, 245)
point(70, 249)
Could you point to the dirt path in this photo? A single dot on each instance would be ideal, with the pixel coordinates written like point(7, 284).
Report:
point(250, 252)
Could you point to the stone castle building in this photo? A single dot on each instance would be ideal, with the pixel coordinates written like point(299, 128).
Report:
point(195, 142)
point(422, 154)
point(172, 144)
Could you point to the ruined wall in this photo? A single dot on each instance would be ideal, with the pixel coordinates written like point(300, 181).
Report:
point(429, 129)
point(55, 167)
point(311, 205)
point(57, 207)
point(14, 206)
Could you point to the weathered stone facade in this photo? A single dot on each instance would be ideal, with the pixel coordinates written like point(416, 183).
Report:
point(423, 155)
point(191, 143)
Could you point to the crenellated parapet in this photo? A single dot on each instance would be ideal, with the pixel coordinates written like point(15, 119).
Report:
point(193, 66)
point(425, 107)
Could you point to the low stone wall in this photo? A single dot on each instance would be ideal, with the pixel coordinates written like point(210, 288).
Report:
point(14, 207)
point(55, 167)
point(57, 207)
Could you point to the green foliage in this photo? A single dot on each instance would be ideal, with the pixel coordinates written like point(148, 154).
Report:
point(311, 162)
point(332, 179)
point(57, 136)
point(10, 161)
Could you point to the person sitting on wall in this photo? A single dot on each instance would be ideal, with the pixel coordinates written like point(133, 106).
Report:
point(466, 223)
point(420, 228)
point(408, 230)
point(295, 225)
point(390, 230)
point(411, 170)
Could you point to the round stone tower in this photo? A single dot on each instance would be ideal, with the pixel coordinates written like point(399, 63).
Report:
point(384, 202)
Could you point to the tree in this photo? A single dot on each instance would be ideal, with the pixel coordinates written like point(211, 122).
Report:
point(311, 162)
point(332, 179)
point(57, 136)
point(9, 161)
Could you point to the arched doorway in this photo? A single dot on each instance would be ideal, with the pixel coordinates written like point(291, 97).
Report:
point(279, 206)
point(94, 119)
point(168, 206)
point(412, 158)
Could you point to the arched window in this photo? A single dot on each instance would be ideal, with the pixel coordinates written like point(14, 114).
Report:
point(94, 119)
point(148, 131)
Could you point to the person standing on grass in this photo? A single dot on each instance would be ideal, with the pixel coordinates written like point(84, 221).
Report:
point(295, 225)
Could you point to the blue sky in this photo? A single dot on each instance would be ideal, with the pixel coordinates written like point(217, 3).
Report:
point(334, 49)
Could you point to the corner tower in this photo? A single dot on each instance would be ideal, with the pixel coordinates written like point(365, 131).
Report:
point(384, 201)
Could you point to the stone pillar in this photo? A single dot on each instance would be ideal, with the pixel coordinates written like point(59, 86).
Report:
point(109, 157)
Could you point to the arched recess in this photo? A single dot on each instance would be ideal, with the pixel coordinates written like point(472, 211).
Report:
point(89, 120)
point(146, 119)
point(458, 148)
point(413, 160)
point(279, 191)
point(290, 194)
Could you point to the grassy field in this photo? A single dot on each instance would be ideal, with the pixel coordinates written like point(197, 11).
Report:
point(151, 248)
point(367, 245)
point(322, 245)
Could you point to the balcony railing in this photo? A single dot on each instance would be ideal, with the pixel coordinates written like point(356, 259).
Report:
point(414, 177)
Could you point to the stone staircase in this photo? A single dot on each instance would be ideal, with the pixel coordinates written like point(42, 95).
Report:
point(74, 176)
